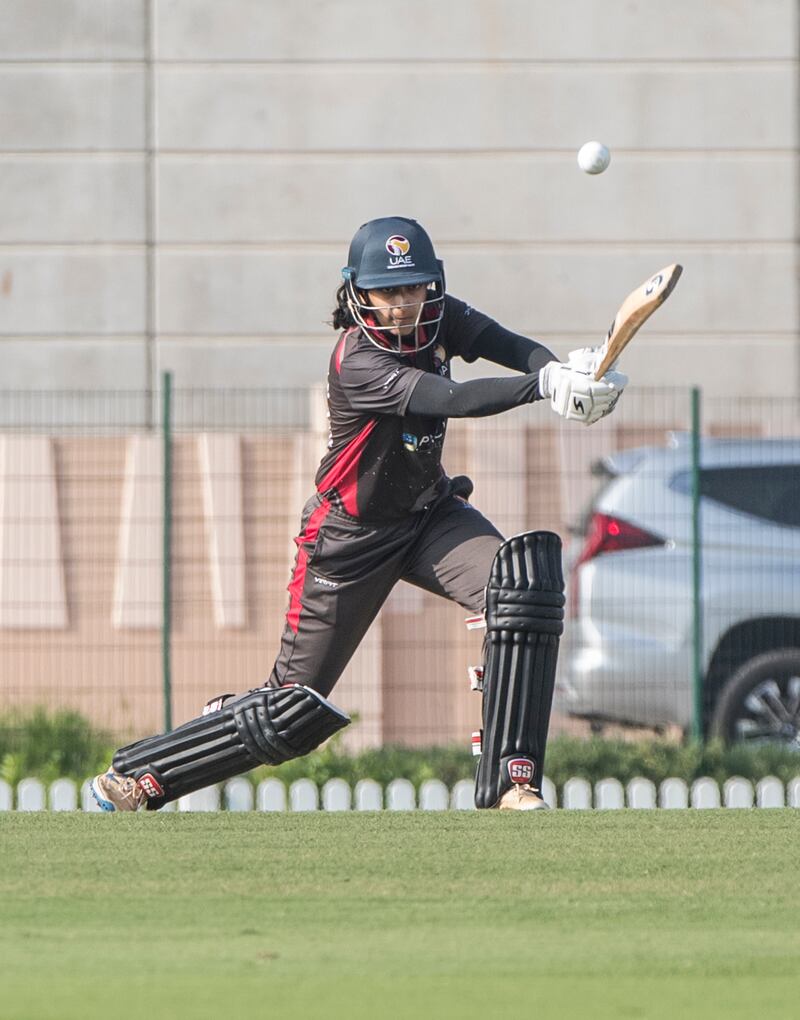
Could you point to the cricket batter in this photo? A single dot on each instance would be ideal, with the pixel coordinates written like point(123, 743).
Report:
point(384, 510)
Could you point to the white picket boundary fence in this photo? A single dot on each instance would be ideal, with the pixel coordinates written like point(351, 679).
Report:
point(303, 795)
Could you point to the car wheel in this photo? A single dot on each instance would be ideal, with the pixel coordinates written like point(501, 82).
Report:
point(761, 701)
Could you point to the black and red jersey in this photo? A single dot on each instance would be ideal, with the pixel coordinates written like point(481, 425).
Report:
point(383, 463)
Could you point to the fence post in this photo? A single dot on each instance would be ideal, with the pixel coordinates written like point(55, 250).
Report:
point(166, 550)
point(697, 580)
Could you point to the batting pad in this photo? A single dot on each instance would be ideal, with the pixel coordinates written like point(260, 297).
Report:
point(264, 727)
point(524, 621)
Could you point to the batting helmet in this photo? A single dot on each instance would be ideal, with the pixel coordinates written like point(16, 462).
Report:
point(394, 252)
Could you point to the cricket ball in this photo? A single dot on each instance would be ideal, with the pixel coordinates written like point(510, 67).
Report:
point(593, 158)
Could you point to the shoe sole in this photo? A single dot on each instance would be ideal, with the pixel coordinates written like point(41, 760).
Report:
point(537, 807)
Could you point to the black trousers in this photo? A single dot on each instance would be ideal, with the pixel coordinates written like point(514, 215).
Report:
point(345, 570)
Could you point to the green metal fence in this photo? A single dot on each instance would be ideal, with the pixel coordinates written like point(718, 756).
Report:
point(143, 569)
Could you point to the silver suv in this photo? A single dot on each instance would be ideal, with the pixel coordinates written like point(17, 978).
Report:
point(627, 655)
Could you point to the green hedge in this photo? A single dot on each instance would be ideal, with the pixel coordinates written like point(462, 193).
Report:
point(49, 746)
point(382, 764)
point(657, 760)
point(592, 759)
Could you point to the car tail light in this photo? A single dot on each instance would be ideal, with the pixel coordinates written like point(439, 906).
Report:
point(607, 534)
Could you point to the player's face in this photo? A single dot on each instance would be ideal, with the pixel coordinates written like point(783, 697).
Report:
point(398, 308)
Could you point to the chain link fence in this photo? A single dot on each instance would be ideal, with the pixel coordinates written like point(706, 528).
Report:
point(143, 568)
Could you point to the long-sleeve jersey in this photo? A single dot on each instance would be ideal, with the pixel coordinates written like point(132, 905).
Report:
point(388, 412)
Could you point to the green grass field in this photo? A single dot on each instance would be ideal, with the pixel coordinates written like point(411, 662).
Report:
point(570, 914)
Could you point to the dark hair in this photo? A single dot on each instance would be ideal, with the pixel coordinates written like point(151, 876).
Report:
point(342, 316)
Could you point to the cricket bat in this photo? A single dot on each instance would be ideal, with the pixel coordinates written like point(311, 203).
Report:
point(634, 311)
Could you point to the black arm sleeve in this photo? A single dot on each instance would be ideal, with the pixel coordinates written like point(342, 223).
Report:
point(435, 396)
point(498, 344)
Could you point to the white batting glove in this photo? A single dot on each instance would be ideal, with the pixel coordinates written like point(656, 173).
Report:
point(585, 359)
point(576, 395)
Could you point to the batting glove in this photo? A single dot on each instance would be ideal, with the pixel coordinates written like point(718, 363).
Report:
point(576, 395)
point(585, 359)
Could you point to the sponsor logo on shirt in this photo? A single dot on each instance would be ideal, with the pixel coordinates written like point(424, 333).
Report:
point(423, 444)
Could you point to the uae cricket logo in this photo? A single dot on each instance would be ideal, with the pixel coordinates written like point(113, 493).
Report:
point(398, 245)
point(520, 770)
point(398, 248)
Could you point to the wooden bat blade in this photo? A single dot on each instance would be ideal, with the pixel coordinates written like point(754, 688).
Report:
point(634, 311)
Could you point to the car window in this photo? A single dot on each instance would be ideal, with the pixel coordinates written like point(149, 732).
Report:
point(770, 491)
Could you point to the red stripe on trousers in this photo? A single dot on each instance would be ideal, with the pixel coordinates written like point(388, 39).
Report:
point(299, 575)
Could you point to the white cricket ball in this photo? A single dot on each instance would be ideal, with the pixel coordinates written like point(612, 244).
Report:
point(593, 158)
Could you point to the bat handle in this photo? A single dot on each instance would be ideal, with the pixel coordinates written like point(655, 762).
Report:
point(605, 366)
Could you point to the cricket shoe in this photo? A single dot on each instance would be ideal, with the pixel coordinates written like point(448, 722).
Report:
point(521, 797)
point(114, 792)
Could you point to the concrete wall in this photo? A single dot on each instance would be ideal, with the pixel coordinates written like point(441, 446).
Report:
point(180, 178)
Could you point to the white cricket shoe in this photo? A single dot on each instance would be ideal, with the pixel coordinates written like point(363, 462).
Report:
point(115, 792)
point(521, 797)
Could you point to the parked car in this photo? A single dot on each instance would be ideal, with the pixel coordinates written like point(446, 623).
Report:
point(627, 654)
